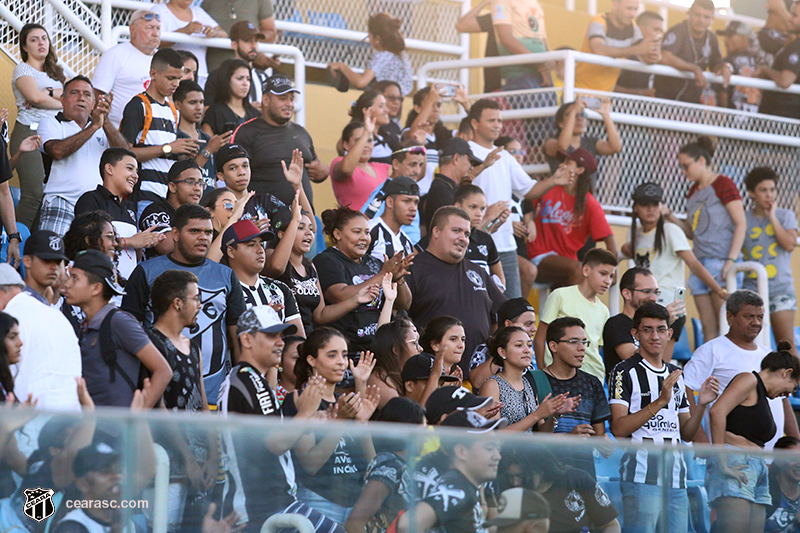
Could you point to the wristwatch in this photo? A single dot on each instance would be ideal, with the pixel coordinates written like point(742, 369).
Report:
point(14, 236)
point(166, 149)
point(206, 154)
point(50, 91)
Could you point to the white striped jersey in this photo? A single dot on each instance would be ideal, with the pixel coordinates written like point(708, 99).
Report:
point(636, 384)
point(269, 291)
point(385, 241)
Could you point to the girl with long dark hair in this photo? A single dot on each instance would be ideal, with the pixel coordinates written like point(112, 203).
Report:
point(354, 176)
point(385, 142)
point(444, 338)
point(393, 345)
point(231, 104)
point(10, 350)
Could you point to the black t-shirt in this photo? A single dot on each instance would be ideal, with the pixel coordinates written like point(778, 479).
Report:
point(630, 79)
point(158, 214)
point(481, 250)
point(101, 199)
point(209, 170)
point(335, 267)
point(265, 205)
point(457, 504)
point(426, 473)
point(218, 115)
point(305, 290)
point(441, 193)
point(267, 146)
point(616, 331)
point(463, 290)
point(577, 501)
point(5, 165)
point(744, 64)
point(781, 104)
point(184, 391)
point(387, 140)
point(341, 477)
point(703, 52)
point(390, 470)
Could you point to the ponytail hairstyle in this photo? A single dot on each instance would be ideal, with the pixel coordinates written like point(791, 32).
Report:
point(436, 330)
point(348, 130)
point(660, 238)
point(315, 341)
point(364, 101)
point(782, 359)
point(51, 66)
point(501, 339)
point(333, 219)
point(703, 147)
point(584, 187)
point(6, 379)
point(389, 347)
point(387, 29)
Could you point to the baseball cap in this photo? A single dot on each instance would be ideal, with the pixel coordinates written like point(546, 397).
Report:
point(229, 152)
point(45, 244)
point(94, 458)
point(178, 167)
point(736, 27)
point(474, 422)
point(243, 231)
point(97, 263)
point(9, 276)
point(445, 400)
point(244, 30)
point(458, 146)
point(400, 185)
point(419, 367)
point(517, 505)
point(648, 192)
point(279, 84)
point(263, 318)
point(511, 309)
point(583, 157)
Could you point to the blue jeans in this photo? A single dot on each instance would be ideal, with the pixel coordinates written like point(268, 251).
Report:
point(508, 260)
point(642, 508)
point(334, 511)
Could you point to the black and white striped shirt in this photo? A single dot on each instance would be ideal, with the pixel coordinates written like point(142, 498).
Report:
point(269, 291)
point(385, 241)
point(636, 384)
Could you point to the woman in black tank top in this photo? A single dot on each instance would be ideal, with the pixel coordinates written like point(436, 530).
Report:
point(737, 483)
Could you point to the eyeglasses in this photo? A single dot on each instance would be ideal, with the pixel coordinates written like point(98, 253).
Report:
point(193, 183)
point(521, 153)
point(575, 342)
point(393, 98)
point(648, 292)
point(411, 150)
point(195, 298)
point(661, 330)
point(150, 16)
point(228, 206)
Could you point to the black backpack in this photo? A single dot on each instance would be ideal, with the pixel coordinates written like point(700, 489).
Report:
point(108, 349)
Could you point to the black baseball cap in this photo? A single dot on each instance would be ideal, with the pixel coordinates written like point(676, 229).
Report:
point(96, 457)
point(517, 505)
point(400, 185)
point(419, 367)
point(97, 263)
point(736, 27)
point(458, 146)
point(511, 309)
point(279, 84)
point(229, 152)
point(445, 400)
point(648, 193)
point(45, 244)
point(473, 422)
point(179, 167)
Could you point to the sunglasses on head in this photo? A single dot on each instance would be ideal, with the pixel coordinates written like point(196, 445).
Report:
point(411, 150)
point(150, 16)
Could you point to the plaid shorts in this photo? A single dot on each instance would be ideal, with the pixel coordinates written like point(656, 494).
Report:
point(56, 214)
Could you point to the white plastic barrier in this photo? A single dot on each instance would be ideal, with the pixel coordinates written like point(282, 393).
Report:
point(280, 521)
point(764, 338)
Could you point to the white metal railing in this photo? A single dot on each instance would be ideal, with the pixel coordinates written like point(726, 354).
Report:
point(764, 338)
point(161, 491)
point(726, 14)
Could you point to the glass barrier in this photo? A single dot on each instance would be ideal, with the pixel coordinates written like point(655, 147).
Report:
point(157, 471)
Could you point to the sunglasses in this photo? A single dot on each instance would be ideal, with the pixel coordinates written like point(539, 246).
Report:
point(394, 98)
point(521, 153)
point(228, 206)
point(150, 16)
point(410, 150)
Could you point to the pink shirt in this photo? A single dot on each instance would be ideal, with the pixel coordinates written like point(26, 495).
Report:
point(356, 190)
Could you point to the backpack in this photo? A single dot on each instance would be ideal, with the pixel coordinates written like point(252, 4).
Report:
point(540, 384)
point(148, 115)
point(108, 349)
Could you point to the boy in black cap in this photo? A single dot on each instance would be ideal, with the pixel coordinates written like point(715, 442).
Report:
point(455, 162)
point(416, 377)
point(43, 257)
point(402, 201)
point(185, 185)
point(114, 347)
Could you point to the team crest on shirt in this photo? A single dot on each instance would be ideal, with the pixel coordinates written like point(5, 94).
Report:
point(574, 502)
point(670, 39)
point(483, 250)
point(448, 495)
point(476, 280)
point(601, 496)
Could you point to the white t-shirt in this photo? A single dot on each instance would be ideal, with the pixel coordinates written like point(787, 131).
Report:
point(667, 267)
point(51, 357)
point(171, 23)
point(125, 71)
point(724, 360)
point(33, 115)
point(500, 182)
point(72, 176)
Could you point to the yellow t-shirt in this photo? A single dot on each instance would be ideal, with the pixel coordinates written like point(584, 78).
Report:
point(568, 301)
point(526, 18)
point(597, 77)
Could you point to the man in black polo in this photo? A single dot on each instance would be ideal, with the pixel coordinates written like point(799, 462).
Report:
point(443, 282)
point(43, 256)
point(455, 162)
point(783, 72)
point(271, 140)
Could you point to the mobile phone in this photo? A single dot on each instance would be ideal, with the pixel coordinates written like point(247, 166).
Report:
point(680, 296)
point(448, 91)
point(592, 102)
point(229, 126)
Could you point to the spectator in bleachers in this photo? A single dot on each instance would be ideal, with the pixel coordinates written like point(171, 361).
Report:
point(353, 176)
point(692, 47)
point(91, 230)
point(7, 211)
point(189, 65)
point(394, 105)
point(784, 487)
point(124, 69)
point(482, 250)
point(455, 164)
point(570, 130)
point(663, 248)
point(180, 16)
point(258, 12)
point(386, 231)
point(716, 223)
point(444, 340)
point(389, 59)
point(231, 106)
point(474, 22)
point(733, 353)
point(651, 25)
point(73, 143)
point(10, 350)
point(777, 28)
point(581, 300)
point(738, 483)
point(394, 344)
point(784, 70)
point(744, 57)
point(519, 29)
point(38, 84)
point(770, 238)
point(271, 140)
point(244, 41)
point(613, 34)
point(384, 143)
point(43, 258)
point(644, 388)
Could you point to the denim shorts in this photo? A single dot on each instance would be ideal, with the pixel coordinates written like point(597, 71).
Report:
point(782, 302)
point(714, 267)
point(720, 485)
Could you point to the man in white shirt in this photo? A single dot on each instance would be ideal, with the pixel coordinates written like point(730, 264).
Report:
point(503, 181)
point(72, 143)
point(50, 361)
point(124, 69)
point(734, 353)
